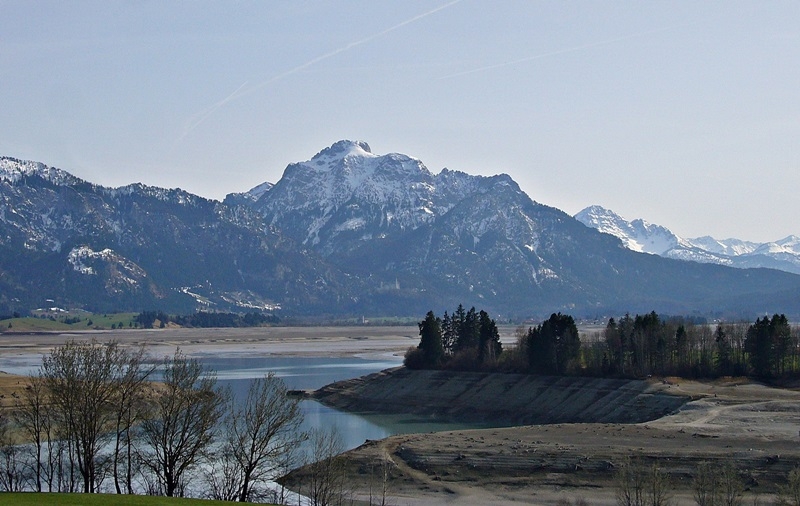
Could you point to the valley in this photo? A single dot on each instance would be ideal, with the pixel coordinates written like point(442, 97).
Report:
point(674, 423)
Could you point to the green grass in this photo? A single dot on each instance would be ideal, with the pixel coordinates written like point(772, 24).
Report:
point(87, 321)
point(32, 325)
point(34, 499)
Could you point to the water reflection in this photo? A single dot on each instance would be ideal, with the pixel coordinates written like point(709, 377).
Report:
point(309, 373)
point(300, 373)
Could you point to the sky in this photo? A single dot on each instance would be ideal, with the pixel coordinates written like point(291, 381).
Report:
point(683, 113)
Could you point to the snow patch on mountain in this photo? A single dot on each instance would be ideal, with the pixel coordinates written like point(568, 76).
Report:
point(87, 261)
point(789, 246)
point(638, 235)
point(77, 256)
point(14, 171)
point(728, 247)
point(256, 192)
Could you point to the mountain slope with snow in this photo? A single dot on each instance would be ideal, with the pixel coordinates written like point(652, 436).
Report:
point(420, 240)
point(638, 235)
point(140, 247)
point(348, 233)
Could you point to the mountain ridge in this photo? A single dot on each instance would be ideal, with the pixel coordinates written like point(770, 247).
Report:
point(347, 232)
point(639, 235)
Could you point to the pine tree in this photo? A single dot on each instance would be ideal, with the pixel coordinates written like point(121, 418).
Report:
point(489, 347)
point(724, 360)
point(554, 345)
point(430, 343)
point(449, 334)
point(468, 330)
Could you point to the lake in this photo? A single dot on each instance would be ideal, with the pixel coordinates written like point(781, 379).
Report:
point(310, 373)
point(299, 373)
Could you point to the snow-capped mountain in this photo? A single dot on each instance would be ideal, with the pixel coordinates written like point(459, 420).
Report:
point(139, 247)
point(14, 171)
point(348, 232)
point(638, 235)
point(420, 240)
point(346, 195)
point(248, 197)
point(727, 247)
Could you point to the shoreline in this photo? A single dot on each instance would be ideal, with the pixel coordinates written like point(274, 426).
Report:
point(544, 464)
point(751, 425)
point(19, 349)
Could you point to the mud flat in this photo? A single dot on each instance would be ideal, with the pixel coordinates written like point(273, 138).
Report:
point(230, 342)
point(753, 426)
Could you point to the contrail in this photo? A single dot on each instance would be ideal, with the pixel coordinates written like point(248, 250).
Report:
point(348, 47)
point(195, 120)
point(200, 117)
point(557, 52)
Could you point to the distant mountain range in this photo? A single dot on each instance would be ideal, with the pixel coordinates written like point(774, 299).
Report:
point(639, 235)
point(348, 232)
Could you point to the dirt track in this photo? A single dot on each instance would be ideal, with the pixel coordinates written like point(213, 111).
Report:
point(751, 425)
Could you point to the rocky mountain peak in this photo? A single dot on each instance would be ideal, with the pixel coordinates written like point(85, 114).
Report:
point(14, 170)
point(343, 149)
point(639, 235)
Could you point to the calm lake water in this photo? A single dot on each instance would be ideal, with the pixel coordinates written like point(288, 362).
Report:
point(312, 373)
point(299, 373)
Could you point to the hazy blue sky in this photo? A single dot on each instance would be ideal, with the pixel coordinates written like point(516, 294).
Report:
point(684, 113)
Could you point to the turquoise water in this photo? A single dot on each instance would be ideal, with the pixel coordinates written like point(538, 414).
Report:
point(302, 373)
point(312, 373)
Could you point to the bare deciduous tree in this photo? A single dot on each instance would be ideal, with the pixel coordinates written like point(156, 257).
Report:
point(381, 471)
point(80, 380)
point(638, 485)
point(629, 481)
point(12, 476)
point(326, 480)
point(730, 485)
point(130, 408)
point(262, 431)
point(33, 419)
point(706, 486)
point(182, 426)
point(223, 478)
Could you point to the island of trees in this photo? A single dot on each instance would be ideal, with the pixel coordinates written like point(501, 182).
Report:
point(629, 347)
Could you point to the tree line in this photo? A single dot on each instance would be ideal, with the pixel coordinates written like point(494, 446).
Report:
point(631, 346)
point(467, 339)
point(645, 345)
point(98, 417)
point(204, 319)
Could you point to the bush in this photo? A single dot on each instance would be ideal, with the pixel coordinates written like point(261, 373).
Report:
point(465, 360)
point(414, 358)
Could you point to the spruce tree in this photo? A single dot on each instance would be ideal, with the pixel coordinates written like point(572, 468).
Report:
point(430, 343)
point(489, 347)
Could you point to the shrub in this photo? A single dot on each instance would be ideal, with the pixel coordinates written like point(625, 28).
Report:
point(414, 358)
